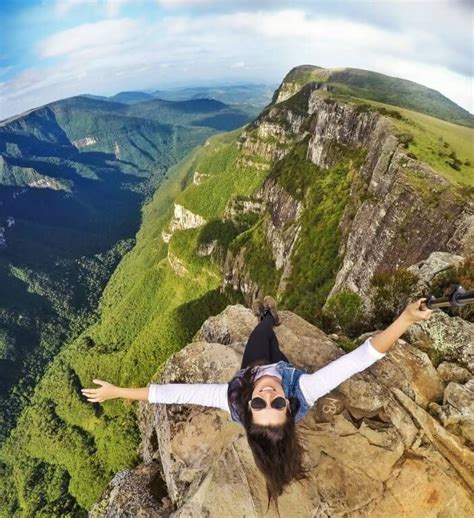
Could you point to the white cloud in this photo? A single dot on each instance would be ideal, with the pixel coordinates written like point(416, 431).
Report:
point(64, 7)
point(178, 4)
point(110, 8)
point(97, 35)
point(116, 54)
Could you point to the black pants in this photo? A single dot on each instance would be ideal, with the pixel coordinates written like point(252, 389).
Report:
point(263, 344)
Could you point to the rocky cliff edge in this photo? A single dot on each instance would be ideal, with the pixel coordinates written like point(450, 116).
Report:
point(393, 440)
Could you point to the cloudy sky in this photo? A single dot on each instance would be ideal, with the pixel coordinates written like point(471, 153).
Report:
point(51, 49)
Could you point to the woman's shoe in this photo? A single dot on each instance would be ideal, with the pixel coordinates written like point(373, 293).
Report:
point(258, 309)
point(269, 305)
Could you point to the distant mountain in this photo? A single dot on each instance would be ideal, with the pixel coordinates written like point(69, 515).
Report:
point(195, 112)
point(131, 97)
point(256, 96)
point(73, 177)
point(366, 84)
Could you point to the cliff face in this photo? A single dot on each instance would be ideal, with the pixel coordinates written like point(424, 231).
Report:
point(393, 197)
point(398, 425)
point(281, 228)
point(403, 197)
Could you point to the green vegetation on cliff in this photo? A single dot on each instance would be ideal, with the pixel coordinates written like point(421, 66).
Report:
point(147, 312)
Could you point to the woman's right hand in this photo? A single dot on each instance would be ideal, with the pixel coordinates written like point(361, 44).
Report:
point(103, 393)
point(413, 312)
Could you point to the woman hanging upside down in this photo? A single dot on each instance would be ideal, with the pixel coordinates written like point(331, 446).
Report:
point(268, 395)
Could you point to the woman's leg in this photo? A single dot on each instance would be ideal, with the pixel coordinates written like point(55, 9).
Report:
point(263, 343)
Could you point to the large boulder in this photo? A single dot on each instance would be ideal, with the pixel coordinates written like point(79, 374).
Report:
point(372, 445)
point(446, 338)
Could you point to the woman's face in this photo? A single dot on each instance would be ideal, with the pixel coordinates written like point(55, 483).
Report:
point(269, 388)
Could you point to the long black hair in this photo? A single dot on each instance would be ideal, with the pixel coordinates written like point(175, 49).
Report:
point(277, 449)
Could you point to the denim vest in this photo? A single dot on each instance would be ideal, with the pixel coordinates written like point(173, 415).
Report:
point(290, 382)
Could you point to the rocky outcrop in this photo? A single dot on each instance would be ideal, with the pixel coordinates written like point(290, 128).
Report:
point(198, 178)
point(270, 136)
point(177, 265)
point(289, 88)
point(462, 241)
point(135, 492)
point(238, 276)
point(450, 338)
point(239, 206)
point(335, 122)
point(457, 411)
point(46, 183)
point(84, 142)
point(117, 150)
point(437, 263)
point(182, 219)
point(369, 442)
point(282, 227)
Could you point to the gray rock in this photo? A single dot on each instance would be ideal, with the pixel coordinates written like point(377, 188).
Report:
point(448, 338)
point(429, 268)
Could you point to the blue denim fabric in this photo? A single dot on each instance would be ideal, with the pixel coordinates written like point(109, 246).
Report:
point(290, 377)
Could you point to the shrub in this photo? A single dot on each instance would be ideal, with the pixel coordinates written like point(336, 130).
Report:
point(406, 139)
point(344, 310)
point(390, 113)
point(390, 292)
point(363, 108)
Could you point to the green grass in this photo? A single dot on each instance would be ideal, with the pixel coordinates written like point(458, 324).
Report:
point(435, 140)
point(227, 178)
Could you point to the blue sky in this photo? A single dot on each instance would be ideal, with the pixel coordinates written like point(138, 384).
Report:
point(51, 49)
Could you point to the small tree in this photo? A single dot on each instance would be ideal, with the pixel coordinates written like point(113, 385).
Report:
point(7, 346)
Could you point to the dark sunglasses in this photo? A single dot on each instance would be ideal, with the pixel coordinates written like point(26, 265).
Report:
point(258, 403)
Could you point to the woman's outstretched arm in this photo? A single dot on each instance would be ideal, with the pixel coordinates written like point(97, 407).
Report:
point(205, 394)
point(384, 341)
point(109, 391)
point(374, 348)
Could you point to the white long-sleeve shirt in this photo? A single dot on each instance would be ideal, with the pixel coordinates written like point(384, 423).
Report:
point(313, 386)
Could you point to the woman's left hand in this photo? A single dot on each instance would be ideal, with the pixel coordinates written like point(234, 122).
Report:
point(103, 393)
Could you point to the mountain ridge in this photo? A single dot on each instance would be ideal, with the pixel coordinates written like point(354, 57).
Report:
point(376, 86)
